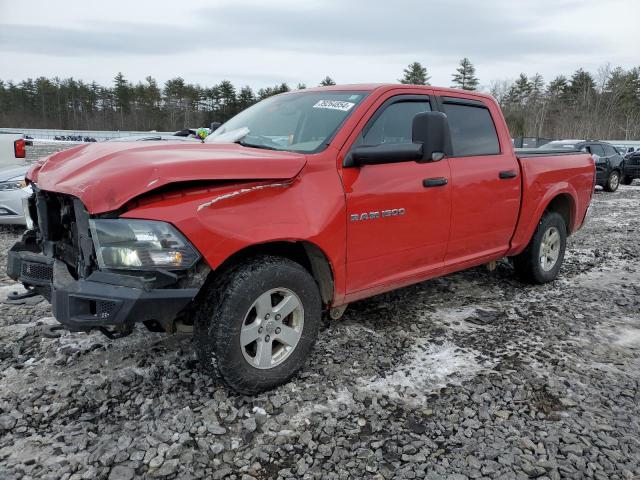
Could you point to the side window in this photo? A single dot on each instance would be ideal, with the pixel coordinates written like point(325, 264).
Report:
point(597, 150)
point(609, 151)
point(472, 130)
point(393, 125)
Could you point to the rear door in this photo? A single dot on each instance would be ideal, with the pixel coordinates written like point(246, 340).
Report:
point(612, 156)
point(602, 167)
point(486, 183)
point(397, 213)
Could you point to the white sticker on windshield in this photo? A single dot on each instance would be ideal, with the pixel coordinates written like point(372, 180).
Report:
point(334, 105)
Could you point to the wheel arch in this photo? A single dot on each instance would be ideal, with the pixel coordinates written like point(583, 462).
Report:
point(563, 204)
point(562, 198)
point(303, 252)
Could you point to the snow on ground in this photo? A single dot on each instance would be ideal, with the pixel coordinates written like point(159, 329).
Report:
point(425, 370)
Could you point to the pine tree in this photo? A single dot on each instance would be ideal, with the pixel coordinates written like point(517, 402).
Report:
point(327, 81)
point(415, 74)
point(557, 87)
point(122, 92)
point(582, 87)
point(246, 98)
point(465, 76)
point(228, 99)
point(537, 88)
point(269, 91)
point(519, 91)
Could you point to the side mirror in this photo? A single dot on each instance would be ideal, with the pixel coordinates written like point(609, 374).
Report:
point(431, 130)
point(383, 153)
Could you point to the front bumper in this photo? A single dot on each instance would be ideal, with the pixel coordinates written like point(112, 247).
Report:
point(12, 207)
point(632, 171)
point(101, 300)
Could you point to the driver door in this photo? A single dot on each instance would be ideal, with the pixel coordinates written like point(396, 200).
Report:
point(398, 214)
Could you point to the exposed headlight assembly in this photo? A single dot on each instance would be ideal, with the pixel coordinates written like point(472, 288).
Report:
point(127, 244)
point(15, 183)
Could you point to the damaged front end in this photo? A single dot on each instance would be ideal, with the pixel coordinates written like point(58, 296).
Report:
point(105, 273)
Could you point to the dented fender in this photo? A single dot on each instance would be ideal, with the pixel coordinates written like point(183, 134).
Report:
point(223, 220)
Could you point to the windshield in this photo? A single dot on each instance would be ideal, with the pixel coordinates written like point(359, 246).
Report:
point(558, 146)
point(298, 122)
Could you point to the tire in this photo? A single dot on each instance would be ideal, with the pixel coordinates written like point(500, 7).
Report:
point(234, 309)
point(613, 181)
point(626, 180)
point(529, 265)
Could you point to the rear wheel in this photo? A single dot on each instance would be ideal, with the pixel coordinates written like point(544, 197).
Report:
point(613, 181)
point(540, 262)
point(258, 323)
point(626, 180)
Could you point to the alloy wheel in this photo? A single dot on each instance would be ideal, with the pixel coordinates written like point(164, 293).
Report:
point(550, 249)
point(272, 328)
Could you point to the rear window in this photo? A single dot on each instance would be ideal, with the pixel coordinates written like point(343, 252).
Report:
point(597, 150)
point(472, 130)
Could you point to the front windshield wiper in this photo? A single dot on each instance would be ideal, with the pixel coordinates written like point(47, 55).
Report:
point(255, 145)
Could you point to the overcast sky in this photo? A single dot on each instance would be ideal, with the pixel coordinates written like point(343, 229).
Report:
point(261, 43)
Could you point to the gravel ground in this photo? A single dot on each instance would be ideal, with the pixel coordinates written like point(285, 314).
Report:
point(470, 376)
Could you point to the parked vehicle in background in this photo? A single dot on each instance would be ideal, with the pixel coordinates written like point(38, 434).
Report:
point(609, 162)
point(624, 146)
point(12, 148)
point(622, 150)
point(631, 169)
point(529, 142)
point(13, 188)
point(304, 202)
point(13, 193)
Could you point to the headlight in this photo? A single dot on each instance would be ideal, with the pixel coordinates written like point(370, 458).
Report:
point(140, 245)
point(15, 183)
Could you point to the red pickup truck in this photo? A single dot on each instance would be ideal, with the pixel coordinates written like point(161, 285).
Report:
point(302, 203)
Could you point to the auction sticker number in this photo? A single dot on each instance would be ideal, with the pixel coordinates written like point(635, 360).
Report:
point(334, 105)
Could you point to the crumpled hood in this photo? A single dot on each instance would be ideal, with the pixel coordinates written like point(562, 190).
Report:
point(107, 175)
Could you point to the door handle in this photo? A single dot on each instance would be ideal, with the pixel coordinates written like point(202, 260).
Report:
point(508, 174)
point(434, 182)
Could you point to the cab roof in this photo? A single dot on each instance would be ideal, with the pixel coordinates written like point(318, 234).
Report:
point(371, 87)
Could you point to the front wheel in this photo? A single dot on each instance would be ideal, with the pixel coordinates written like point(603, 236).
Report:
point(257, 323)
point(613, 182)
point(540, 262)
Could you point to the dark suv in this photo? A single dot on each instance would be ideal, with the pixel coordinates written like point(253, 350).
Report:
point(631, 168)
point(609, 163)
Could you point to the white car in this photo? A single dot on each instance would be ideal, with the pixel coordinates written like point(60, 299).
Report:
point(13, 188)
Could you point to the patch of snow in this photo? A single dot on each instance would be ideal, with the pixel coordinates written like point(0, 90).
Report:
point(628, 337)
point(428, 368)
point(335, 401)
point(454, 318)
point(6, 290)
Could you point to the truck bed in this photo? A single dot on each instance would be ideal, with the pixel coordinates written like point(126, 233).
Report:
point(525, 153)
point(546, 173)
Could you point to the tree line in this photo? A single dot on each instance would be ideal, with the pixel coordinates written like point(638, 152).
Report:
point(601, 106)
point(584, 105)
